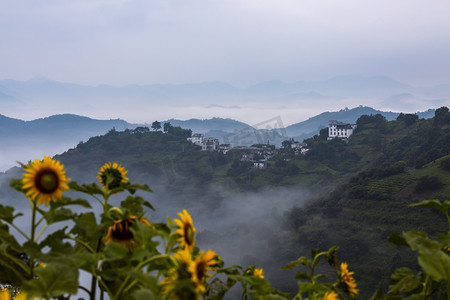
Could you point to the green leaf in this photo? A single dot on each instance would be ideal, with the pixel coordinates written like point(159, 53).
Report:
point(134, 205)
point(115, 251)
point(398, 240)
point(55, 280)
point(64, 201)
point(8, 240)
point(144, 234)
point(143, 294)
point(431, 258)
point(7, 213)
point(444, 239)
point(90, 189)
point(302, 260)
point(435, 204)
point(59, 215)
point(404, 280)
point(378, 295)
point(16, 184)
point(133, 187)
point(146, 280)
point(415, 239)
point(86, 227)
point(55, 241)
point(302, 276)
point(32, 249)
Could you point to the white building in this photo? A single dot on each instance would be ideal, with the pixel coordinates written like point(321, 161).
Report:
point(210, 144)
point(197, 138)
point(340, 130)
point(224, 148)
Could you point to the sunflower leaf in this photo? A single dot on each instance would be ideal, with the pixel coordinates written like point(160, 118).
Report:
point(435, 204)
point(134, 204)
point(7, 240)
point(56, 244)
point(64, 201)
point(302, 260)
point(398, 240)
point(133, 187)
point(7, 213)
point(90, 189)
point(16, 184)
point(114, 251)
point(404, 280)
point(59, 215)
point(143, 294)
point(55, 280)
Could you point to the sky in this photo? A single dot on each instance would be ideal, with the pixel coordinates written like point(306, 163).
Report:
point(242, 42)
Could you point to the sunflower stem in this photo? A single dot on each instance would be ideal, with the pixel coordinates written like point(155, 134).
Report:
point(14, 259)
point(40, 220)
point(33, 219)
point(33, 229)
point(130, 286)
point(20, 231)
point(140, 265)
point(86, 245)
point(94, 277)
point(96, 198)
point(102, 283)
point(41, 232)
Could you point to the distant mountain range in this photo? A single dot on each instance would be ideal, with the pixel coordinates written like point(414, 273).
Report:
point(24, 140)
point(388, 93)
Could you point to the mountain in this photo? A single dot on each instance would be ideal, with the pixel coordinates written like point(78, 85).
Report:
point(351, 194)
point(57, 133)
point(25, 140)
point(312, 126)
point(206, 125)
point(350, 90)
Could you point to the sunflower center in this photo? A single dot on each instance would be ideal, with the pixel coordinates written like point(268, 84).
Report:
point(189, 234)
point(200, 270)
point(46, 181)
point(122, 231)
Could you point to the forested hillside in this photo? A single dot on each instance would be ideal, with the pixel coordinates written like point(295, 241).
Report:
point(356, 192)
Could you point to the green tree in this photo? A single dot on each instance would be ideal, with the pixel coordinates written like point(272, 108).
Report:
point(156, 125)
point(167, 126)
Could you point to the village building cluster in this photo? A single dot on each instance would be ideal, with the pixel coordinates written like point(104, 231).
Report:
point(259, 154)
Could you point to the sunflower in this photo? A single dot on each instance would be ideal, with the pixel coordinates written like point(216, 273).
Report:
point(258, 272)
point(45, 180)
point(330, 296)
point(186, 230)
point(199, 268)
point(111, 175)
point(168, 284)
point(120, 232)
point(350, 283)
point(5, 295)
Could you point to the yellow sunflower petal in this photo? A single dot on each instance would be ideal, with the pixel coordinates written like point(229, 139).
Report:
point(45, 180)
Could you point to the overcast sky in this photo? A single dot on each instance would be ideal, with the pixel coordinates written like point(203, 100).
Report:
point(242, 42)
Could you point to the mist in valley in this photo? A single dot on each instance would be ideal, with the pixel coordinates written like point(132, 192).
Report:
point(244, 228)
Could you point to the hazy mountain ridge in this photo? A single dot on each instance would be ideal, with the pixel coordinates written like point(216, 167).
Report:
point(208, 92)
point(57, 133)
point(311, 126)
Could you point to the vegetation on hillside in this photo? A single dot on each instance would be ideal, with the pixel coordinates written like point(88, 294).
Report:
point(363, 187)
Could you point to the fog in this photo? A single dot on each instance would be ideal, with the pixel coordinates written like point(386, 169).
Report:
point(242, 228)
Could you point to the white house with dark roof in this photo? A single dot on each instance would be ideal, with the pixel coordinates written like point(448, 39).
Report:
point(197, 138)
point(340, 130)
